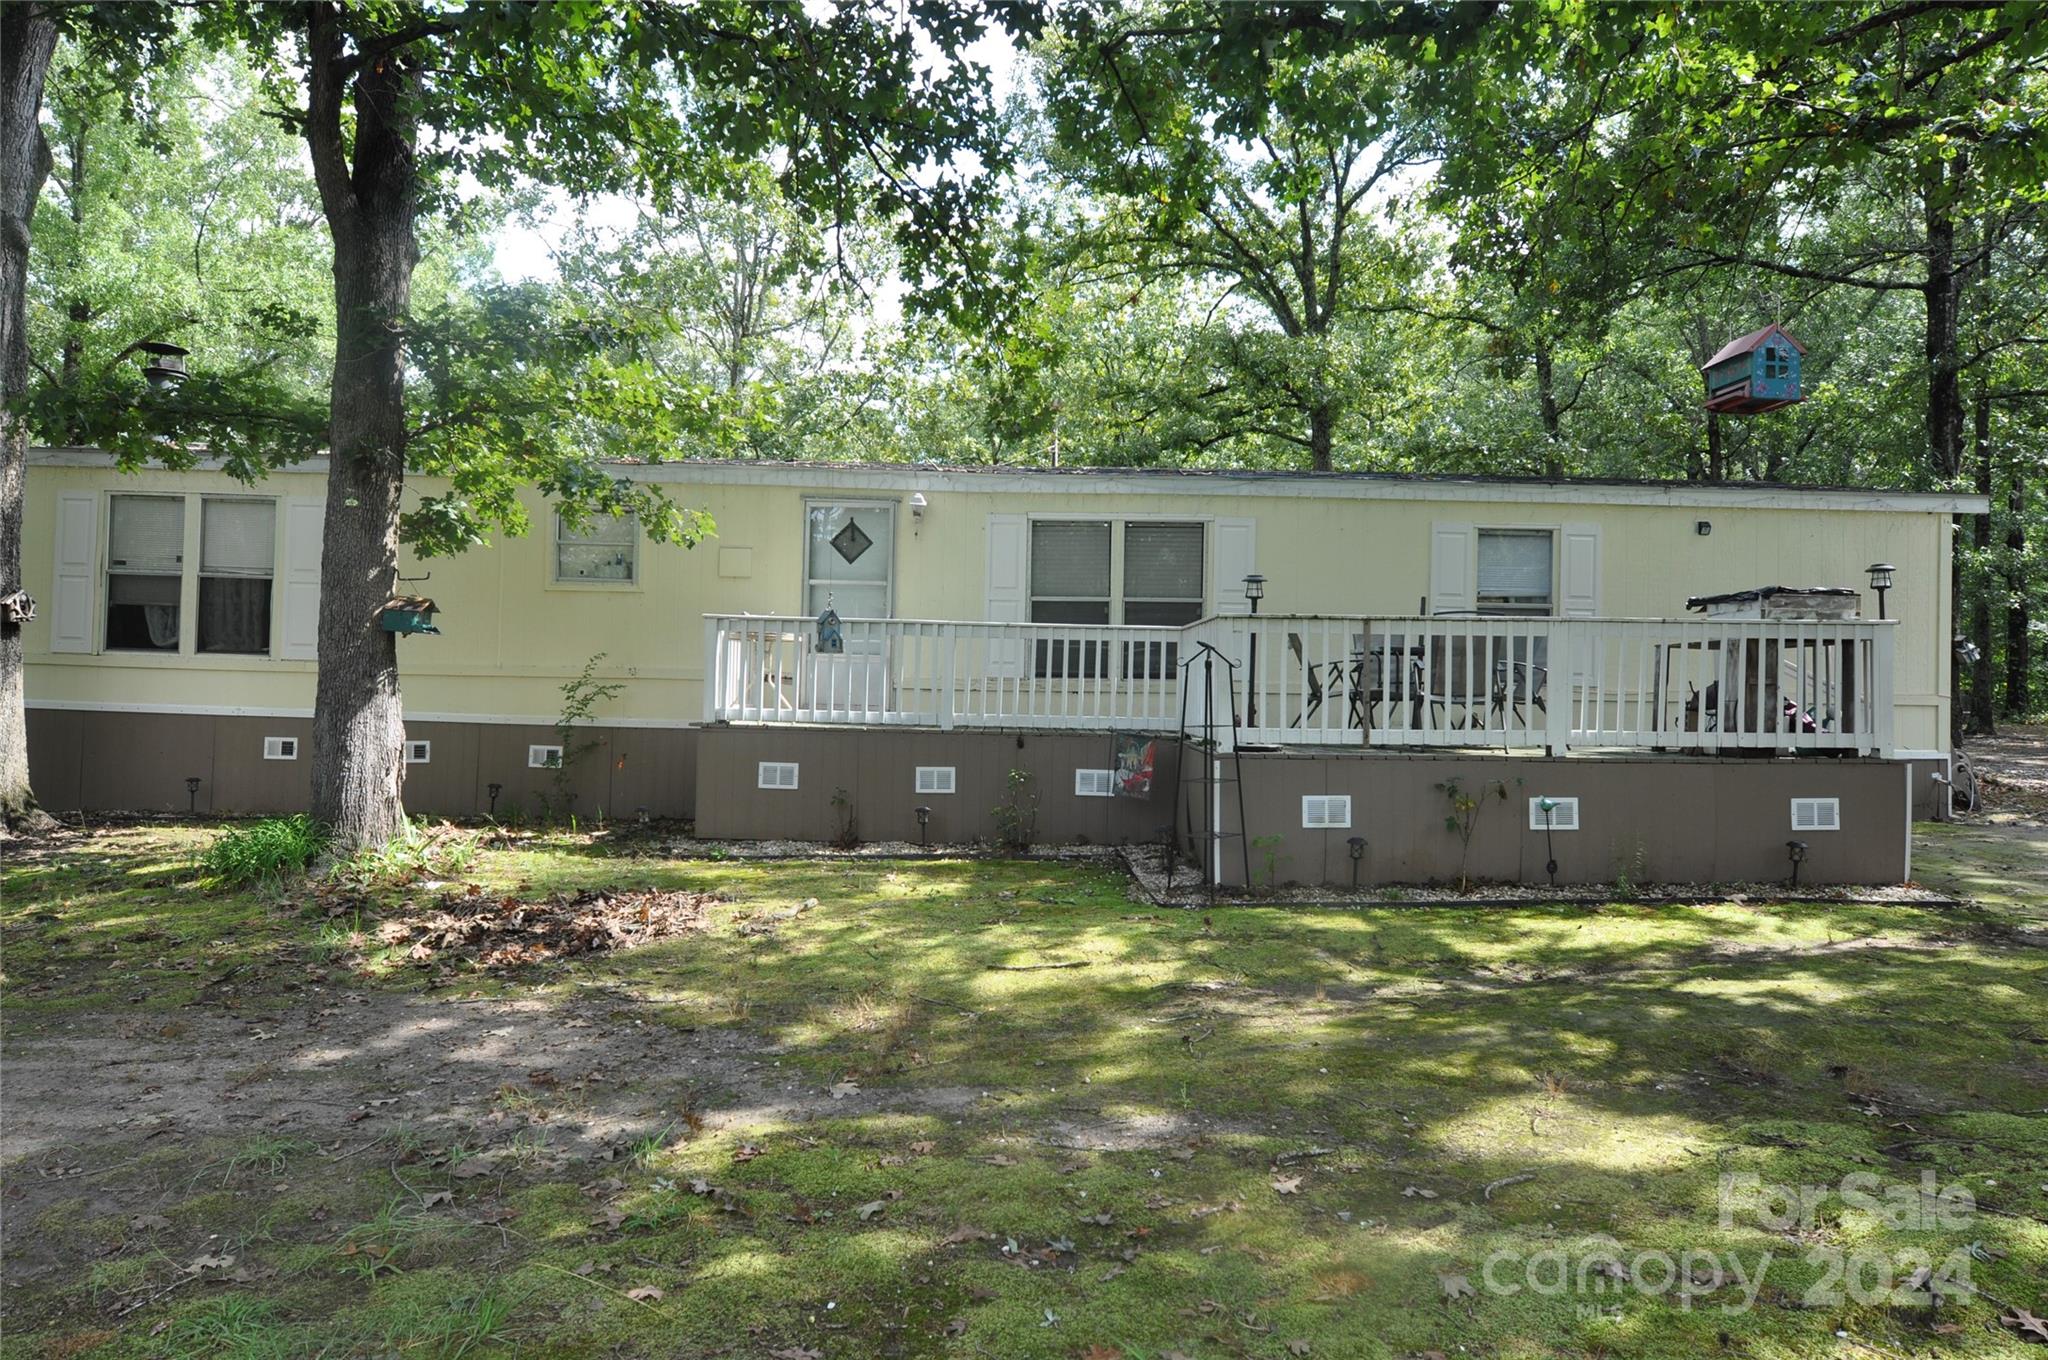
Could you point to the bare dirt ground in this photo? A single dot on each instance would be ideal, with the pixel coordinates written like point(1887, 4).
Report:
point(2013, 767)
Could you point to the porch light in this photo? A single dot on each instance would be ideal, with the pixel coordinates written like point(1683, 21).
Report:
point(1880, 581)
point(192, 795)
point(165, 367)
point(1356, 845)
point(1796, 852)
point(918, 505)
point(1255, 590)
point(1968, 652)
point(924, 823)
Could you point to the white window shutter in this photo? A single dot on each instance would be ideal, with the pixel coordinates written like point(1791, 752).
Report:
point(1008, 590)
point(1578, 594)
point(1237, 556)
point(1452, 558)
point(78, 560)
point(298, 634)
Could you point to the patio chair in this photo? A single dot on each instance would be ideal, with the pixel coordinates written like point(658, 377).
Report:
point(1310, 678)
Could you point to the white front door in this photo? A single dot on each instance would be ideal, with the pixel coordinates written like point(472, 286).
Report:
point(849, 566)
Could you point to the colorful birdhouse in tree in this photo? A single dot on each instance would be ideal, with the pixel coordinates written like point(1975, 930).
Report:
point(1758, 372)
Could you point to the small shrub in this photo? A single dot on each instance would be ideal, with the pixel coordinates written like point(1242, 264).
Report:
point(1016, 817)
point(418, 851)
point(267, 850)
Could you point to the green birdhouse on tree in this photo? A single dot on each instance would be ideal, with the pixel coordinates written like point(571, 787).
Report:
point(1757, 372)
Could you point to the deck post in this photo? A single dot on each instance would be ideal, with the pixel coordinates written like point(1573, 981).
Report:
point(1879, 685)
point(949, 644)
point(712, 652)
point(1557, 714)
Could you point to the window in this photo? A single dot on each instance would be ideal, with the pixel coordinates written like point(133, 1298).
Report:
point(775, 774)
point(280, 748)
point(1561, 814)
point(849, 549)
point(1515, 571)
point(1816, 814)
point(605, 549)
point(935, 779)
point(1777, 362)
point(237, 553)
point(1326, 812)
point(419, 752)
point(145, 572)
point(1162, 573)
point(1093, 784)
point(543, 757)
point(1074, 579)
point(1070, 571)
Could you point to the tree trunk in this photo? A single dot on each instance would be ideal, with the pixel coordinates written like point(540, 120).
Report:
point(1322, 435)
point(1983, 706)
point(1717, 452)
point(2019, 650)
point(371, 201)
point(1546, 407)
point(28, 36)
point(1944, 365)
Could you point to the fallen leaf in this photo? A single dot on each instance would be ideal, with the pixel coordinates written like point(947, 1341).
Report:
point(647, 1293)
point(1456, 1286)
point(700, 1186)
point(872, 1209)
point(999, 1159)
point(1297, 1347)
point(959, 1235)
point(2026, 1324)
point(747, 1153)
point(1417, 1192)
point(204, 1263)
point(842, 1089)
point(433, 1197)
point(1098, 1351)
point(923, 1147)
point(1288, 1185)
point(1100, 1220)
point(797, 1353)
point(148, 1223)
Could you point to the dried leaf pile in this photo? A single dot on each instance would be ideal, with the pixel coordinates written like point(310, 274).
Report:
point(505, 932)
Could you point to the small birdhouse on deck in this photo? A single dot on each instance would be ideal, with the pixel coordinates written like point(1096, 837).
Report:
point(1758, 372)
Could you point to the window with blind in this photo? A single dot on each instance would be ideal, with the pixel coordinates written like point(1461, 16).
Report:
point(1079, 576)
point(1070, 567)
point(606, 549)
point(237, 560)
point(1515, 571)
point(1162, 573)
point(145, 572)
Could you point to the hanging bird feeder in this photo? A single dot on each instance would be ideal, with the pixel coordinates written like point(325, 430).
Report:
point(165, 367)
point(409, 614)
point(1758, 372)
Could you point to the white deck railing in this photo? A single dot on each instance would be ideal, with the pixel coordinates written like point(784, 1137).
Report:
point(1501, 683)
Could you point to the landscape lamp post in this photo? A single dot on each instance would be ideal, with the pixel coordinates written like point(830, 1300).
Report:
point(1254, 591)
point(1880, 581)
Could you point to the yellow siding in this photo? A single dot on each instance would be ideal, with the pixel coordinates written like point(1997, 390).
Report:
point(511, 636)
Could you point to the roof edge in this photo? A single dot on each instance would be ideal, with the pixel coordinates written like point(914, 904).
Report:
point(1198, 481)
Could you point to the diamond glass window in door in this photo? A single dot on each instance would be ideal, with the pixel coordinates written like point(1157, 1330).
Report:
point(848, 551)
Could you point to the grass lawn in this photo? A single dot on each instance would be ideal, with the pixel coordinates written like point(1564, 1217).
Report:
point(1004, 1110)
